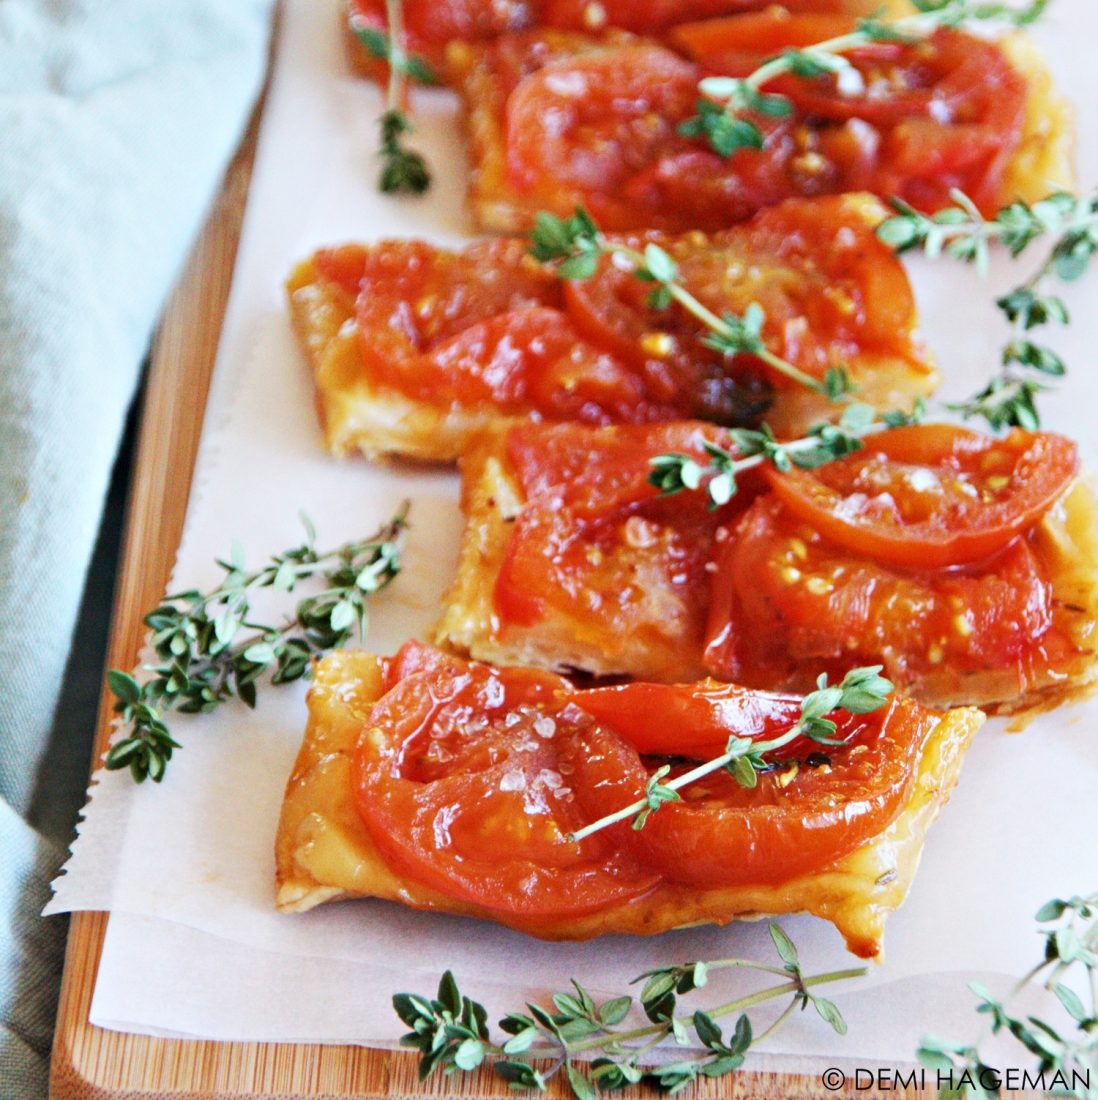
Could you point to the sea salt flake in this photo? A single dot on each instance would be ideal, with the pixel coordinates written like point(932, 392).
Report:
point(545, 726)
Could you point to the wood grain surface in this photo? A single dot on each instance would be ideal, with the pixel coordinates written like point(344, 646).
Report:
point(90, 1063)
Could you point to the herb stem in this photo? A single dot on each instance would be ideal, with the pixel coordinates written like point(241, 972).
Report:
point(862, 691)
point(711, 321)
point(398, 61)
point(795, 985)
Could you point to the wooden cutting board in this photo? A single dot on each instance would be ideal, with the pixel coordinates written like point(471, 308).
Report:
point(90, 1063)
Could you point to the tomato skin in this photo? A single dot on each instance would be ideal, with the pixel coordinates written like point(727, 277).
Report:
point(596, 543)
point(560, 134)
point(694, 720)
point(723, 835)
point(786, 604)
point(462, 791)
point(932, 496)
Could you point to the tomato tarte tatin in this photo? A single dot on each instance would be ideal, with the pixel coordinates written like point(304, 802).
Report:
point(455, 786)
point(415, 348)
point(968, 565)
point(560, 119)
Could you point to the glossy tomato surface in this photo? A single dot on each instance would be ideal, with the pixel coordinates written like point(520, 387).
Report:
point(596, 545)
point(791, 823)
point(469, 779)
point(462, 778)
point(602, 127)
point(786, 603)
point(431, 24)
point(931, 496)
point(489, 326)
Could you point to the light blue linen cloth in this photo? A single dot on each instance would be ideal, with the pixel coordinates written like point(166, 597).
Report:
point(117, 118)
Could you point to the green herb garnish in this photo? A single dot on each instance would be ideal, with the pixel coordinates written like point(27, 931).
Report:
point(451, 1032)
point(209, 650)
point(960, 231)
point(576, 244)
point(402, 170)
point(1066, 1052)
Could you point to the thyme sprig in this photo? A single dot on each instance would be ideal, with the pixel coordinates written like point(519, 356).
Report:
point(1010, 397)
point(720, 116)
point(862, 691)
point(575, 245)
point(209, 650)
point(674, 472)
point(1066, 1056)
point(450, 1031)
point(402, 170)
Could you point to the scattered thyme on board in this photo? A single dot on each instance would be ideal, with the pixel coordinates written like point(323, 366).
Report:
point(209, 650)
point(403, 171)
point(726, 101)
point(451, 1032)
point(1066, 1051)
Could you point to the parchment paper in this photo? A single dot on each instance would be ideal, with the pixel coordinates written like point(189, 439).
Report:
point(194, 946)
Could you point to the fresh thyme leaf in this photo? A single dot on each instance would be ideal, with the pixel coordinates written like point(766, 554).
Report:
point(676, 472)
point(1066, 1055)
point(377, 45)
point(402, 169)
point(209, 650)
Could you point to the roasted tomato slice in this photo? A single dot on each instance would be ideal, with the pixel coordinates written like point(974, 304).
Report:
point(931, 496)
point(588, 122)
point(786, 602)
point(602, 127)
point(462, 777)
point(694, 720)
point(722, 834)
point(597, 543)
point(827, 296)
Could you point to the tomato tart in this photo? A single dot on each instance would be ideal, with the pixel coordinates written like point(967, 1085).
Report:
point(966, 565)
point(457, 787)
point(414, 348)
point(558, 119)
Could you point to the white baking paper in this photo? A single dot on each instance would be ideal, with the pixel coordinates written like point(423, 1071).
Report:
point(194, 946)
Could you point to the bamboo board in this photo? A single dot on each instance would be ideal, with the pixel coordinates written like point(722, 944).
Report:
point(91, 1063)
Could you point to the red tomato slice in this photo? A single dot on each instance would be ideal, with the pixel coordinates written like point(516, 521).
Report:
point(723, 835)
point(694, 720)
point(786, 604)
point(597, 543)
point(762, 33)
point(462, 777)
point(932, 496)
point(587, 122)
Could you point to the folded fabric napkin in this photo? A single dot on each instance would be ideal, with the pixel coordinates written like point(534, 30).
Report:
point(116, 121)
